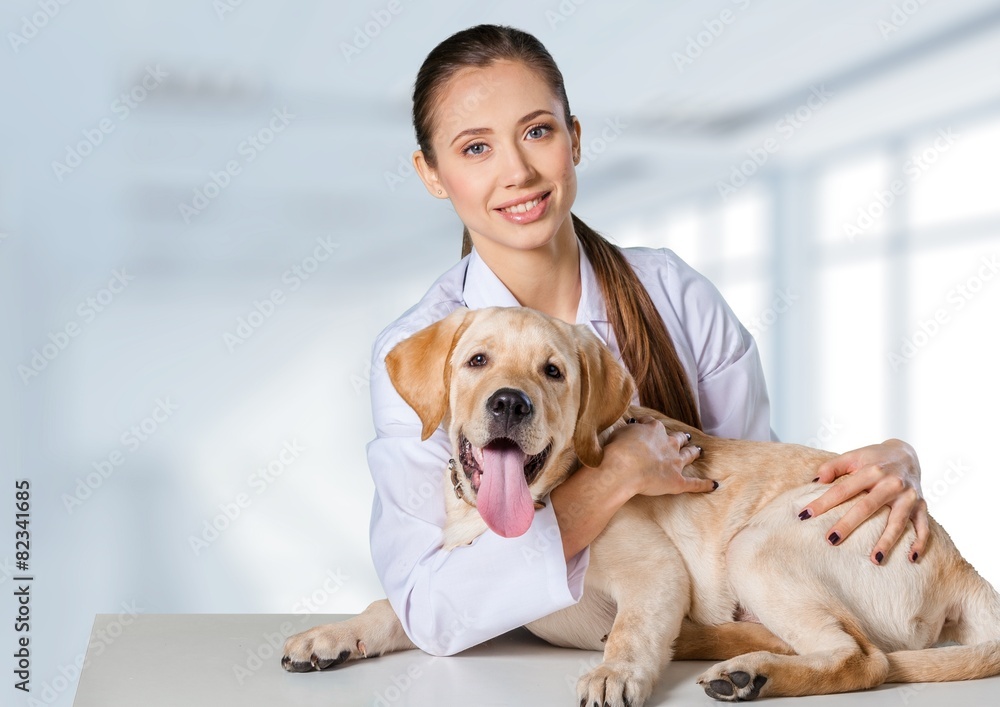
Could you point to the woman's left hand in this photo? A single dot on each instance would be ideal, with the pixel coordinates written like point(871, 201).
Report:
point(890, 473)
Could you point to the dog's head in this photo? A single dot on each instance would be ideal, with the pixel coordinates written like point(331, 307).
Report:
point(522, 395)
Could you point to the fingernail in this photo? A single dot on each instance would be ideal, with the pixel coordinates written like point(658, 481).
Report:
point(834, 538)
point(879, 557)
point(699, 450)
point(805, 514)
point(688, 435)
point(816, 479)
point(914, 556)
point(631, 421)
point(715, 485)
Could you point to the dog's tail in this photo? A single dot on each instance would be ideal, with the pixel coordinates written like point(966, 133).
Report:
point(976, 626)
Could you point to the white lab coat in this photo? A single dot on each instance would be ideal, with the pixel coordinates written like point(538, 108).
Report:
point(450, 601)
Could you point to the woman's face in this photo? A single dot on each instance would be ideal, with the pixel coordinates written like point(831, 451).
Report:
point(505, 156)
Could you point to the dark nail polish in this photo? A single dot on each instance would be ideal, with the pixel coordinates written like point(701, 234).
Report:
point(914, 557)
point(879, 557)
point(715, 485)
point(805, 514)
point(816, 479)
point(834, 538)
point(631, 421)
point(688, 436)
point(699, 450)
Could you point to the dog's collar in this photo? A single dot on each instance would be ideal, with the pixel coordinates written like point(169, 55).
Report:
point(456, 484)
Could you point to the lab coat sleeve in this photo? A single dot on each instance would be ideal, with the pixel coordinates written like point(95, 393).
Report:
point(448, 601)
point(732, 393)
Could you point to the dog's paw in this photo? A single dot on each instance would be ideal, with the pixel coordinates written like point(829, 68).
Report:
point(615, 684)
point(732, 682)
point(322, 647)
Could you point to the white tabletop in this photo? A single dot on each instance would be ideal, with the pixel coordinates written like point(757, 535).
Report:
point(227, 659)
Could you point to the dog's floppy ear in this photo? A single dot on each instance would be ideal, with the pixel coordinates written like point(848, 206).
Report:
point(606, 390)
point(419, 370)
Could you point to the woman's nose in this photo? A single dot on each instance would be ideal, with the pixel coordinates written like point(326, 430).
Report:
point(517, 169)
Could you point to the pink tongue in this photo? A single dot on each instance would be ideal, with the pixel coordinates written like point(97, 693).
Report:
point(504, 500)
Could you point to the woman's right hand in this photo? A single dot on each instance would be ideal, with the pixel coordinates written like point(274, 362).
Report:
point(651, 459)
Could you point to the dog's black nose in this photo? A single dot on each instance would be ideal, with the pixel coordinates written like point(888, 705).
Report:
point(509, 407)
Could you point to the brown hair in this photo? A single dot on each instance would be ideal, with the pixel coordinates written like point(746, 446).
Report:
point(646, 346)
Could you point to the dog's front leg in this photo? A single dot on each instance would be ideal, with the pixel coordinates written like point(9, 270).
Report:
point(371, 633)
point(650, 586)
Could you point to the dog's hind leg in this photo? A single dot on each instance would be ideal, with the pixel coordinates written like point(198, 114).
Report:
point(652, 597)
point(973, 620)
point(371, 633)
point(833, 656)
point(723, 641)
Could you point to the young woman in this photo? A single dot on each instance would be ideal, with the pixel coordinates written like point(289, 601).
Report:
point(496, 138)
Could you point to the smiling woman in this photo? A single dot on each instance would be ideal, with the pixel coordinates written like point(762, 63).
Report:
point(496, 137)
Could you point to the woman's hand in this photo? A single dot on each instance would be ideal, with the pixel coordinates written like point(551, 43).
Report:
point(640, 458)
point(654, 459)
point(890, 473)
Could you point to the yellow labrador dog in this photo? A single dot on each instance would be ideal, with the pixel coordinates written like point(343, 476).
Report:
point(526, 398)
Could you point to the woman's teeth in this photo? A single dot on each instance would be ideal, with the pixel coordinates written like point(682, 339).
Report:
point(525, 207)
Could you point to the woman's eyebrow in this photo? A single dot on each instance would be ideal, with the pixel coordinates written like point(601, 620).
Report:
point(485, 131)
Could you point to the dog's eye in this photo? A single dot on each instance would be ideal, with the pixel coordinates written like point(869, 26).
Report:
point(478, 360)
point(552, 371)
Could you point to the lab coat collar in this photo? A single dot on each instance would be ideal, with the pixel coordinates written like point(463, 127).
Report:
point(483, 288)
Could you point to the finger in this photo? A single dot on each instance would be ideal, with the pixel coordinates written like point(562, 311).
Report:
point(838, 466)
point(681, 438)
point(894, 529)
point(691, 485)
point(835, 495)
point(921, 523)
point(861, 511)
point(689, 453)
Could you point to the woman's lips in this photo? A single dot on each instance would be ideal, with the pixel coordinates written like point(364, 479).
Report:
point(528, 211)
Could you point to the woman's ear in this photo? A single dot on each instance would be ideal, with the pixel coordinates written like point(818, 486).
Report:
point(574, 132)
point(428, 175)
point(606, 390)
point(420, 371)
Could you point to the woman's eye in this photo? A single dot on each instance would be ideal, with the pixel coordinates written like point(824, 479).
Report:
point(476, 148)
point(478, 360)
point(537, 131)
point(552, 371)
